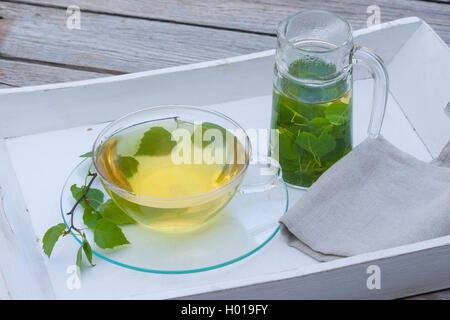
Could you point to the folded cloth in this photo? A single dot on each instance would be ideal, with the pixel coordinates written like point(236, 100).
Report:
point(374, 198)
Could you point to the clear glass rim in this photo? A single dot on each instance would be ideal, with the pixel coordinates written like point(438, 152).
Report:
point(233, 181)
point(282, 26)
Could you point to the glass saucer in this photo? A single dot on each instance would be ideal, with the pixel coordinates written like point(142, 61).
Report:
point(248, 222)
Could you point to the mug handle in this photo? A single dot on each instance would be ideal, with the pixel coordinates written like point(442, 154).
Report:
point(375, 65)
point(265, 171)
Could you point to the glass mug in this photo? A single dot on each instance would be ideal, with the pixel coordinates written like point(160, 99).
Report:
point(136, 166)
point(312, 94)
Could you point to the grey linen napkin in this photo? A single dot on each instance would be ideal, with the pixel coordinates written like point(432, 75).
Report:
point(376, 197)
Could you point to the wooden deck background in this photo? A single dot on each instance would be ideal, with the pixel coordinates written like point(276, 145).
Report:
point(122, 36)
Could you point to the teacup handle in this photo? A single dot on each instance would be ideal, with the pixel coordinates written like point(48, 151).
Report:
point(264, 171)
point(375, 65)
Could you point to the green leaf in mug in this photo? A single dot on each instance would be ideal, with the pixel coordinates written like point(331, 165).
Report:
point(110, 211)
point(317, 146)
point(127, 165)
point(311, 68)
point(337, 113)
point(289, 165)
point(287, 146)
point(156, 141)
point(336, 131)
point(340, 151)
point(207, 126)
point(317, 125)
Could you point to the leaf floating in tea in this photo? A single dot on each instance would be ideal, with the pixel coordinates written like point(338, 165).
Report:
point(156, 142)
point(208, 126)
point(287, 144)
point(317, 125)
point(93, 198)
point(108, 159)
point(311, 67)
point(317, 146)
point(107, 235)
point(127, 165)
point(110, 211)
point(338, 132)
point(337, 113)
point(51, 236)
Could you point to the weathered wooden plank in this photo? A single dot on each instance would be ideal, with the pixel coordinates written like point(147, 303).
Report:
point(237, 18)
point(439, 1)
point(4, 85)
point(108, 43)
point(262, 15)
point(19, 73)
point(438, 295)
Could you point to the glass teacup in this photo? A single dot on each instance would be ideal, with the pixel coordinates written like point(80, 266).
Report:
point(172, 168)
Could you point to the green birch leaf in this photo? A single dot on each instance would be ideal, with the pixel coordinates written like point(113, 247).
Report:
point(337, 113)
point(316, 146)
point(51, 237)
point(127, 165)
point(86, 155)
point(90, 217)
point(87, 249)
point(336, 131)
point(94, 197)
point(156, 141)
point(207, 126)
point(309, 67)
point(110, 211)
point(108, 235)
point(317, 125)
point(79, 257)
point(287, 147)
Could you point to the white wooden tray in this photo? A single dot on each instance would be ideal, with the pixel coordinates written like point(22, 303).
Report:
point(43, 129)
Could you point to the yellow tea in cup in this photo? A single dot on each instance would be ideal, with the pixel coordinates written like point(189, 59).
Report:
point(171, 174)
